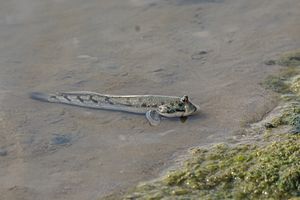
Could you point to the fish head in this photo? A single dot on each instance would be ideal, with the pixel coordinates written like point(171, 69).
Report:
point(181, 108)
point(189, 107)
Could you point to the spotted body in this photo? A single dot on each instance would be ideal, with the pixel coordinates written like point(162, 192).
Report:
point(154, 106)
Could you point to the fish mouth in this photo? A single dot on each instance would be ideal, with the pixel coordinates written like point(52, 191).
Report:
point(196, 109)
point(192, 112)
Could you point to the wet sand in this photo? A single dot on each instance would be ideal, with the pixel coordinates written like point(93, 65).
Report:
point(211, 50)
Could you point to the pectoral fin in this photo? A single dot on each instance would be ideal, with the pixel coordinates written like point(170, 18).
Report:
point(183, 119)
point(153, 117)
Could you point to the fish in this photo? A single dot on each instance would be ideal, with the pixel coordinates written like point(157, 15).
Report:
point(153, 106)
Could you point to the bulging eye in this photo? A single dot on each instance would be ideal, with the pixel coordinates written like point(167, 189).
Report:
point(185, 99)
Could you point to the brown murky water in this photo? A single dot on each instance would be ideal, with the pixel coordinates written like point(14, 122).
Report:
point(212, 50)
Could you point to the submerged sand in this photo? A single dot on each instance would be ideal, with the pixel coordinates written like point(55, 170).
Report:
point(214, 51)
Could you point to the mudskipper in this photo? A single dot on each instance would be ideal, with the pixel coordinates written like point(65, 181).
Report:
point(153, 106)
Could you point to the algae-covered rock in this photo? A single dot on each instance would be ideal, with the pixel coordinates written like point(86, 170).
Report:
point(240, 172)
point(290, 97)
point(276, 84)
point(285, 83)
point(290, 59)
point(295, 85)
point(282, 83)
point(290, 115)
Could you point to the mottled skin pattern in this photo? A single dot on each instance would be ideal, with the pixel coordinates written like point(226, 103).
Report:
point(155, 105)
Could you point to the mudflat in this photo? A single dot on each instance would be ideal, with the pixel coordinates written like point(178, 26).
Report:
point(212, 50)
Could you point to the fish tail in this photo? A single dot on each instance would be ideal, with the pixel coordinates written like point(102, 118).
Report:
point(40, 96)
point(83, 99)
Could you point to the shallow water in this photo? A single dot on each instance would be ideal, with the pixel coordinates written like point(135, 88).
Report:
point(127, 47)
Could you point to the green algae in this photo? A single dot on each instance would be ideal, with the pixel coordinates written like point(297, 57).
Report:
point(287, 83)
point(279, 83)
point(290, 59)
point(276, 84)
point(290, 115)
point(269, 169)
point(295, 85)
point(282, 83)
point(239, 172)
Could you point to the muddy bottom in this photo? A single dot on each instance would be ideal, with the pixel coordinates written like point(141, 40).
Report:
point(213, 51)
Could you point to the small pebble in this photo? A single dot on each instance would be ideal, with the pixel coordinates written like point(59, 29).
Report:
point(3, 152)
point(199, 55)
point(270, 62)
point(61, 139)
point(269, 125)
